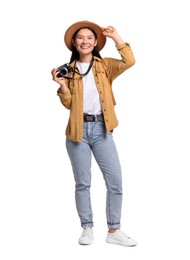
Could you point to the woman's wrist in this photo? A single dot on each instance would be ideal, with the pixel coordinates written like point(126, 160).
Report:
point(63, 88)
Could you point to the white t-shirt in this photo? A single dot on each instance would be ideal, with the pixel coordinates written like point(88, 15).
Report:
point(91, 97)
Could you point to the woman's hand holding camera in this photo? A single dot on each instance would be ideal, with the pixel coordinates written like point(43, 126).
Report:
point(60, 80)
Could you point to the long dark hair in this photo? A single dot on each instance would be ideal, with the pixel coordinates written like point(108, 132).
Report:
point(75, 54)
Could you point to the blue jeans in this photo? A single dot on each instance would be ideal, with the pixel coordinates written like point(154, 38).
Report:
point(101, 144)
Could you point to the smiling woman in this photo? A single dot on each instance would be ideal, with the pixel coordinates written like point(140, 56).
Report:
point(84, 41)
point(86, 92)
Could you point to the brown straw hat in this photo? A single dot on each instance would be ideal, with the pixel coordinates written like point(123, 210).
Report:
point(101, 39)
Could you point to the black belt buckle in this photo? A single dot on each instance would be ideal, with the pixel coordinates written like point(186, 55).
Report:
point(89, 118)
point(93, 118)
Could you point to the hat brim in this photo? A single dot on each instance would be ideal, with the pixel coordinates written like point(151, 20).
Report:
point(101, 39)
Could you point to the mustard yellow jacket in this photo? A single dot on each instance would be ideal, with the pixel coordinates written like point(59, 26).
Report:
point(105, 70)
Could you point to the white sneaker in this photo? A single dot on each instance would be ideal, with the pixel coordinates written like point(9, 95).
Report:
point(87, 236)
point(118, 237)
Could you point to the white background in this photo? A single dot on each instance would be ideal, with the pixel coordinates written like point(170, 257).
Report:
point(38, 219)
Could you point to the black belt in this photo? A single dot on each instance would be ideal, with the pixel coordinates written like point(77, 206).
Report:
point(93, 118)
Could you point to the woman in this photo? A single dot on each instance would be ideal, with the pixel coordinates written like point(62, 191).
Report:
point(86, 91)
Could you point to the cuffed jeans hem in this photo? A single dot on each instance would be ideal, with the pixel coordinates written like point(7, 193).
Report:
point(113, 225)
point(86, 225)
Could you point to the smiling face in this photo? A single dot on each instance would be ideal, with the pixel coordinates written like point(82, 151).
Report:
point(84, 41)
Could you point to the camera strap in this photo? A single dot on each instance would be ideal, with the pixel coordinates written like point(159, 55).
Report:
point(82, 75)
point(90, 66)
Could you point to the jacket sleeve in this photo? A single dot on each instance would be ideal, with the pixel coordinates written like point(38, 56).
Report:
point(117, 66)
point(65, 98)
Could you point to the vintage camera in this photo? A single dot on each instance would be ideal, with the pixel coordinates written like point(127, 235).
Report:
point(64, 69)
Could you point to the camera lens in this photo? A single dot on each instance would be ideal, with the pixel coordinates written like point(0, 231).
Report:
point(64, 69)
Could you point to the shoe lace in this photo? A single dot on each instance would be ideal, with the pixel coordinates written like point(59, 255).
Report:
point(85, 232)
point(123, 234)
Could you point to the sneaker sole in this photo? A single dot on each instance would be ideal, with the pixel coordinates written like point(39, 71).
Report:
point(119, 243)
point(85, 243)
